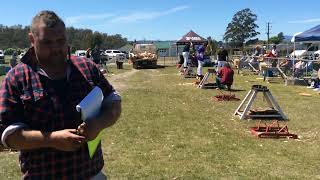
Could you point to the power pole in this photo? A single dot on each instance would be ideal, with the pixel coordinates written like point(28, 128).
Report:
point(268, 33)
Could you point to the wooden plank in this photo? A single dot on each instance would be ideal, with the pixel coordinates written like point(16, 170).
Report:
point(248, 106)
point(243, 101)
point(265, 115)
point(276, 105)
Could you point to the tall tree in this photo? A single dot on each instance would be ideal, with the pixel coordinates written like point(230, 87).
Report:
point(277, 39)
point(97, 39)
point(242, 27)
point(16, 37)
point(281, 36)
point(212, 46)
point(274, 40)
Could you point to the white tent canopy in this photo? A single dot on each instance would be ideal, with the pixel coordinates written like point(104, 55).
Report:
point(293, 39)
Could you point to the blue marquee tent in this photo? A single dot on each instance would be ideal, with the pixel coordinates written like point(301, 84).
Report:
point(312, 34)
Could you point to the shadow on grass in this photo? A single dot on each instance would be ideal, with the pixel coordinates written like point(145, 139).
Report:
point(237, 90)
point(157, 67)
point(161, 66)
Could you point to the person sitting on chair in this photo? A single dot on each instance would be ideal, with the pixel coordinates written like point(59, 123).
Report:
point(298, 69)
point(254, 60)
point(286, 65)
point(225, 77)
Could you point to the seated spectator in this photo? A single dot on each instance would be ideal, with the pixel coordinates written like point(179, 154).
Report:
point(298, 69)
point(315, 82)
point(254, 62)
point(225, 77)
point(286, 65)
point(268, 55)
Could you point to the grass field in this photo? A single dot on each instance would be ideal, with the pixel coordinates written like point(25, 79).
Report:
point(171, 130)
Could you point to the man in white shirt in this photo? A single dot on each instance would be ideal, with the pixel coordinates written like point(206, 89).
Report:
point(274, 51)
point(275, 54)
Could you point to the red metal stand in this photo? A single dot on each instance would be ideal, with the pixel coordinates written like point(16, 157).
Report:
point(272, 130)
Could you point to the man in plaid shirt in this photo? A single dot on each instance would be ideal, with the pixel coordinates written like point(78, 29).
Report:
point(37, 106)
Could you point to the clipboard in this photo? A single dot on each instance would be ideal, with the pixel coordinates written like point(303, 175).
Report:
point(89, 108)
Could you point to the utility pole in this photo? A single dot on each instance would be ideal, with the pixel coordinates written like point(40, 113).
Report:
point(268, 33)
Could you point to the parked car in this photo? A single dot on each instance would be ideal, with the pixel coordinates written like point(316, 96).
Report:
point(126, 54)
point(1, 54)
point(305, 51)
point(317, 54)
point(21, 55)
point(103, 56)
point(1, 57)
point(112, 54)
point(81, 53)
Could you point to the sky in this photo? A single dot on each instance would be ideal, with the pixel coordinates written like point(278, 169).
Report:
point(166, 19)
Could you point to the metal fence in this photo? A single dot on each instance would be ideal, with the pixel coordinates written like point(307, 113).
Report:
point(167, 61)
point(304, 67)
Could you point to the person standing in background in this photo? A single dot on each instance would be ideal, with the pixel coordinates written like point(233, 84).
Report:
point(185, 55)
point(95, 54)
point(222, 57)
point(13, 60)
point(200, 57)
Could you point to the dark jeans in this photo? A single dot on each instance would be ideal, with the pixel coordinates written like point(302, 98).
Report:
point(119, 65)
point(181, 60)
point(220, 85)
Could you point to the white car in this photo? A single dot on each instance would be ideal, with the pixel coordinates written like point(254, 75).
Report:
point(21, 55)
point(308, 50)
point(1, 54)
point(81, 53)
point(114, 54)
point(317, 54)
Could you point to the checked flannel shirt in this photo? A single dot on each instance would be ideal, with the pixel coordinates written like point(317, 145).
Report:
point(27, 96)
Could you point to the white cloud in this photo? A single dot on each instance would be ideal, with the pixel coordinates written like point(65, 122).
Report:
point(100, 21)
point(85, 18)
point(316, 20)
point(140, 16)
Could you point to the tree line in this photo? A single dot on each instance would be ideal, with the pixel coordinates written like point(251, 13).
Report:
point(16, 37)
point(242, 29)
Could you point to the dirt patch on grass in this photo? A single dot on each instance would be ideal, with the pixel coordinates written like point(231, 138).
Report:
point(118, 81)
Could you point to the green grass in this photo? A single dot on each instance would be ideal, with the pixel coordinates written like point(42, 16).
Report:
point(9, 167)
point(172, 131)
point(113, 69)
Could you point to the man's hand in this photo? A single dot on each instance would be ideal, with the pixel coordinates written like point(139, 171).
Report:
point(89, 130)
point(110, 114)
point(66, 140)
